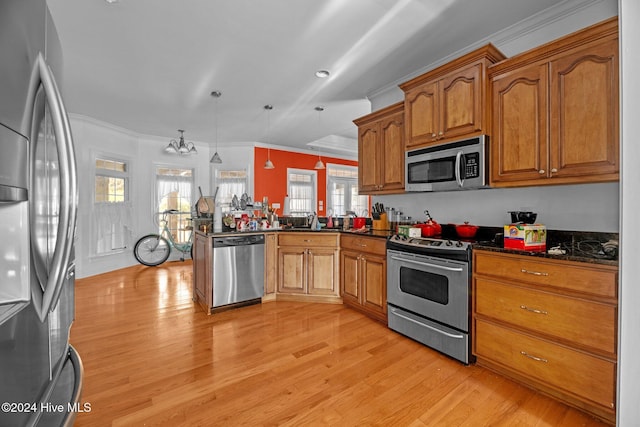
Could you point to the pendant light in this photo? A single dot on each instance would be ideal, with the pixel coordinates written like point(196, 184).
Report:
point(216, 157)
point(319, 163)
point(268, 164)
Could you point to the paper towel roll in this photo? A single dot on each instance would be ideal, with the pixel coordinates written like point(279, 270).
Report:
point(217, 219)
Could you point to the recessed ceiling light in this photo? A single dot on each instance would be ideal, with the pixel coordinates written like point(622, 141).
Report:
point(323, 74)
point(112, 1)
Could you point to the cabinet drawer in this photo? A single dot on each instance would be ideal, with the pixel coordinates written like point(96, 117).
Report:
point(575, 320)
point(586, 377)
point(308, 239)
point(371, 245)
point(581, 277)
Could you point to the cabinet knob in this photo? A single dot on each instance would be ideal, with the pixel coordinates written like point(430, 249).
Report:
point(554, 170)
point(440, 133)
point(541, 172)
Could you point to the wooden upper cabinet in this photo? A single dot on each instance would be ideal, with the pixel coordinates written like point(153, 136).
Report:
point(555, 112)
point(449, 102)
point(381, 151)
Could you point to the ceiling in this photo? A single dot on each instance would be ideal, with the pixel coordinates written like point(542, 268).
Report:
point(150, 65)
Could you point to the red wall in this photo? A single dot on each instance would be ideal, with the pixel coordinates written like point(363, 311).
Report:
point(273, 182)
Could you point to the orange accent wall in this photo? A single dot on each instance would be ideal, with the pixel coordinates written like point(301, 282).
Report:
point(273, 182)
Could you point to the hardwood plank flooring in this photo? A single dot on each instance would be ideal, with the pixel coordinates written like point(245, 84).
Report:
point(152, 357)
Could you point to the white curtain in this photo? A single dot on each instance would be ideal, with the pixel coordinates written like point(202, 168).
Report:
point(166, 184)
point(113, 226)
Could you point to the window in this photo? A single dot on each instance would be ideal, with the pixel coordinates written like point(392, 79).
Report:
point(230, 183)
point(111, 215)
point(342, 191)
point(301, 185)
point(175, 191)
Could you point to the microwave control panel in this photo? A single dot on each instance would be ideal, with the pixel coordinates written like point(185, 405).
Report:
point(472, 165)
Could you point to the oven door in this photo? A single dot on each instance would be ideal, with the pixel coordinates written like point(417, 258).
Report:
point(435, 288)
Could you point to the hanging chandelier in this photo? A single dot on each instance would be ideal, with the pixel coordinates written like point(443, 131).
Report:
point(180, 147)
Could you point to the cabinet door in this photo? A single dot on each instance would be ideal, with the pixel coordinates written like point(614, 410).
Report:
point(584, 112)
point(519, 138)
point(392, 152)
point(421, 115)
point(349, 279)
point(369, 157)
point(322, 272)
point(374, 283)
point(292, 270)
point(202, 286)
point(461, 102)
point(270, 263)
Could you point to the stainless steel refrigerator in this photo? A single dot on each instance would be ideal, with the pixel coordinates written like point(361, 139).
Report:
point(40, 373)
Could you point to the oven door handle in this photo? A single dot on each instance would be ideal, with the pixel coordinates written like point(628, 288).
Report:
point(442, 267)
point(457, 336)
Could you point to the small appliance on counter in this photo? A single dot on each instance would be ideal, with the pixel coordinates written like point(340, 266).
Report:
point(523, 234)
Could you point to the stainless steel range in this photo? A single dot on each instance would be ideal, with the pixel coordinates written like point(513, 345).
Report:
point(428, 292)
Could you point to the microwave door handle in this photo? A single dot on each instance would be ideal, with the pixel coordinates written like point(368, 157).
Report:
point(459, 177)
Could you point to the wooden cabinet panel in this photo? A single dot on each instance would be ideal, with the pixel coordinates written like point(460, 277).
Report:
point(449, 102)
point(596, 280)
point(363, 277)
point(584, 112)
point(462, 102)
point(589, 378)
point(292, 270)
point(374, 283)
point(391, 153)
point(270, 263)
point(381, 151)
point(308, 264)
point(573, 320)
point(519, 140)
point(202, 271)
point(555, 111)
point(323, 268)
point(551, 324)
point(349, 273)
point(310, 239)
point(369, 157)
point(422, 118)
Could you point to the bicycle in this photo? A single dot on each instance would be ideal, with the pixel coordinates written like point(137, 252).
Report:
point(154, 249)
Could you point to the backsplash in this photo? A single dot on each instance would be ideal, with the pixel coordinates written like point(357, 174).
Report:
point(587, 207)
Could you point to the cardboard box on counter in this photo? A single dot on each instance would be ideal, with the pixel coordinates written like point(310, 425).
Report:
point(526, 237)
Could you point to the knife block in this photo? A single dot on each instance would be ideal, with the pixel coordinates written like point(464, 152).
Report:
point(382, 223)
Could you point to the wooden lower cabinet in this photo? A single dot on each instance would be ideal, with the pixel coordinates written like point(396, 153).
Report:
point(363, 275)
point(202, 271)
point(270, 264)
point(549, 324)
point(308, 264)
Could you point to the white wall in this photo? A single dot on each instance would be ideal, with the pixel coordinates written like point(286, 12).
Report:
point(143, 153)
point(629, 314)
point(593, 207)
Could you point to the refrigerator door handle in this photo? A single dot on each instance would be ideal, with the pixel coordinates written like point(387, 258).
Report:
point(68, 186)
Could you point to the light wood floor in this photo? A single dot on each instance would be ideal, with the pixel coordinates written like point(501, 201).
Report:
point(152, 358)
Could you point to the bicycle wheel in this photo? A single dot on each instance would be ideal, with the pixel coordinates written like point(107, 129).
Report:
point(152, 250)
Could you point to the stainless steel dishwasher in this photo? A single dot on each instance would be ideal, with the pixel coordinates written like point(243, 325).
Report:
point(238, 269)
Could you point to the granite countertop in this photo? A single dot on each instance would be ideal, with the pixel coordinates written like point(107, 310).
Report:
point(580, 246)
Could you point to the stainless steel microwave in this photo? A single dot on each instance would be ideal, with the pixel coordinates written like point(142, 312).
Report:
point(458, 165)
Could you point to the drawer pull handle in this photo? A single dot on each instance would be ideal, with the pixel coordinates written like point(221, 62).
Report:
point(534, 310)
point(535, 273)
point(537, 359)
point(307, 240)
